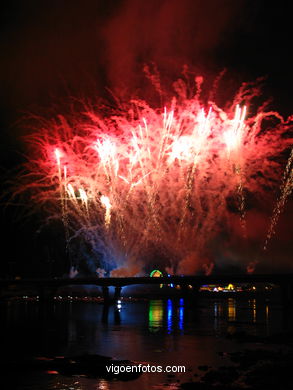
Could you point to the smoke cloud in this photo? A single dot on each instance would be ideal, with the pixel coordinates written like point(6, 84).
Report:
point(169, 33)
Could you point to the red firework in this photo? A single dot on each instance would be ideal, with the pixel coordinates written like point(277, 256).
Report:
point(145, 180)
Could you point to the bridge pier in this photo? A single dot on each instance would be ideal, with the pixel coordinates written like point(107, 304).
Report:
point(106, 296)
point(117, 317)
point(117, 293)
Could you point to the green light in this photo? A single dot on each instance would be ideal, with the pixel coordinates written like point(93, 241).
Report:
point(156, 313)
point(156, 271)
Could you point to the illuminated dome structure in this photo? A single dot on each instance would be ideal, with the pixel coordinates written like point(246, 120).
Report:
point(156, 274)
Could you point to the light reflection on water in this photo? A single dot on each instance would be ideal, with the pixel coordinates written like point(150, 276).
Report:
point(231, 309)
point(156, 313)
point(169, 315)
point(163, 331)
point(174, 317)
point(181, 314)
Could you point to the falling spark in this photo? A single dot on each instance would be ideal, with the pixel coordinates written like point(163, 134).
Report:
point(234, 135)
point(70, 192)
point(58, 156)
point(106, 203)
point(83, 196)
point(286, 190)
point(233, 140)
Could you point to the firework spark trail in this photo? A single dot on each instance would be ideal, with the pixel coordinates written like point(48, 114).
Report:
point(286, 190)
point(198, 138)
point(63, 198)
point(58, 157)
point(106, 203)
point(233, 136)
point(149, 180)
point(241, 203)
point(233, 139)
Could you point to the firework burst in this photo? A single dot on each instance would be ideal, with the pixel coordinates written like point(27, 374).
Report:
point(144, 180)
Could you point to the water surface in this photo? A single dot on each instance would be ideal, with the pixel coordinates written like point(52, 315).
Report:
point(159, 332)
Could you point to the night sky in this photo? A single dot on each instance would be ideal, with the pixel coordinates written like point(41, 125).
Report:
point(51, 50)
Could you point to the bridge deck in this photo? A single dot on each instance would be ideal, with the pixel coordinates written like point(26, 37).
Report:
point(180, 280)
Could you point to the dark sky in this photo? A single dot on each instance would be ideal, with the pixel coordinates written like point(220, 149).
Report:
point(52, 49)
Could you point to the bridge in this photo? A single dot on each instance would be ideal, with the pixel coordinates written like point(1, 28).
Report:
point(47, 288)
